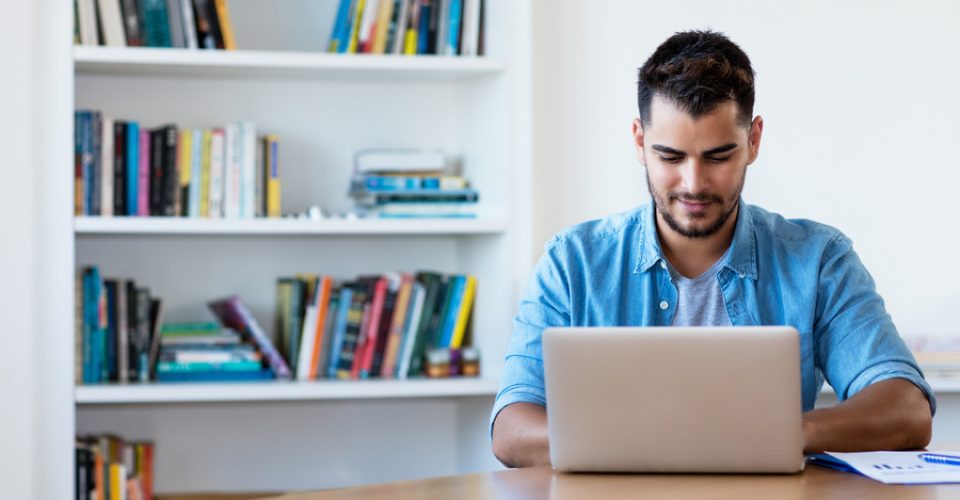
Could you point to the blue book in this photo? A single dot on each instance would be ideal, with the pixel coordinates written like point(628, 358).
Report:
point(87, 334)
point(336, 34)
point(85, 123)
point(215, 376)
point(156, 23)
point(423, 31)
point(339, 328)
point(133, 166)
point(449, 320)
point(453, 35)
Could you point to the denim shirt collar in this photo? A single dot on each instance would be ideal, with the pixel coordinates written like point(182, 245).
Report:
point(742, 259)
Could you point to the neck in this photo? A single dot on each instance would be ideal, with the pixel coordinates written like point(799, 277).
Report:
point(691, 257)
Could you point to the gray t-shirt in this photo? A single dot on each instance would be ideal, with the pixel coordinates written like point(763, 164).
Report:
point(699, 300)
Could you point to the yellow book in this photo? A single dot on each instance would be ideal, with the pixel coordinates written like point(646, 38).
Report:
point(185, 164)
point(226, 27)
point(383, 25)
point(410, 42)
point(460, 327)
point(118, 482)
point(355, 31)
point(205, 175)
point(272, 144)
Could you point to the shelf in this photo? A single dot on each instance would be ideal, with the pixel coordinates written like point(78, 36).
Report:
point(254, 227)
point(283, 391)
point(276, 64)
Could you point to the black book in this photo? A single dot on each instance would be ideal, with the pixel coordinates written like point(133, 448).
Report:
point(141, 340)
point(201, 17)
point(110, 286)
point(97, 173)
point(156, 171)
point(171, 177)
point(434, 289)
point(132, 22)
point(119, 168)
point(132, 331)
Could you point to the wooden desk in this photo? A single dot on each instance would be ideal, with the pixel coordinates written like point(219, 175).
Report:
point(543, 482)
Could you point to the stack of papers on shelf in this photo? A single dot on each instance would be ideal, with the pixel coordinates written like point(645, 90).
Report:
point(891, 467)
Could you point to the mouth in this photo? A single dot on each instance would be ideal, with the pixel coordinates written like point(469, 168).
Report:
point(695, 207)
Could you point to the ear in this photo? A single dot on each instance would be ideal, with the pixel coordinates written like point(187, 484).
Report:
point(756, 132)
point(638, 140)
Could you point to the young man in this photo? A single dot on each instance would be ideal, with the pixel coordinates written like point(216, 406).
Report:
point(699, 255)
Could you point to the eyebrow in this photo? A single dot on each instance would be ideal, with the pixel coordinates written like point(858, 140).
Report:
point(717, 150)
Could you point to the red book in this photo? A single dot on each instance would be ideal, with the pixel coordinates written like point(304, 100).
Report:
point(373, 327)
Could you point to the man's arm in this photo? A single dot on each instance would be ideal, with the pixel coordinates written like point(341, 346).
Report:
point(520, 436)
point(891, 414)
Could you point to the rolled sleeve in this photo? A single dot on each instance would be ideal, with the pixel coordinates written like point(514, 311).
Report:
point(544, 304)
point(857, 342)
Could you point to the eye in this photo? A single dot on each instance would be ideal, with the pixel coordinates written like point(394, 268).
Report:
point(671, 159)
point(714, 159)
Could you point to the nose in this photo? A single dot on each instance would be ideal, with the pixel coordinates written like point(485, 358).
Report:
point(693, 176)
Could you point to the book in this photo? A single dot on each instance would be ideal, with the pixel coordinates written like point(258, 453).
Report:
point(144, 174)
point(394, 281)
point(339, 22)
point(417, 293)
point(189, 24)
point(232, 313)
point(271, 146)
point(175, 20)
point(171, 175)
point(355, 28)
point(119, 168)
point(351, 333)
point(463, 313)
point(226, 26)
point(87, 21)
point(434, 288)
point(382, 27)
point(344, 303)
point(452, 47)
point(217, 166)
point(397, 325)
point(155, 23)
point(307, 337)
point(131, 22)
point(185, 168)
point(203, 24)
point(106, 167)
point(448, 318)
point(111, 23)
point(133, 167)
point(366, 343)
point(322, 304)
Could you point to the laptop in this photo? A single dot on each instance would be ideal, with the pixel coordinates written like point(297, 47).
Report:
point(677, 399)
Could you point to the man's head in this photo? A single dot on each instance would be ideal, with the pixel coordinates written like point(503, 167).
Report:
point(696, 133)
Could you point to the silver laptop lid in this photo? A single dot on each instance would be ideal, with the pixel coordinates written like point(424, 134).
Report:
point(701, 399)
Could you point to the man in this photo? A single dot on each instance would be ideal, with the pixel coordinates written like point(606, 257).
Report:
point(698, 255)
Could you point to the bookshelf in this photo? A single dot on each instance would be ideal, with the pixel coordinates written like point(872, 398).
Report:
point(307, 435)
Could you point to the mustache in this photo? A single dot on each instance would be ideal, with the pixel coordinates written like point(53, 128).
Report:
point(695, 197)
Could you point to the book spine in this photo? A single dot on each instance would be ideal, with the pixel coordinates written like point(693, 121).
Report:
point(155, 22)
point(339, 329)
point(369, 341)
point(156, 171)
point(453, 36)
point(131, 22)
point(185, 167)
point(175, 24)
point(78, 187)
point(120, 168)
point(463, 312)
point(202, 22)
point(434, 287)
point(343, 13)
point(189, 24)
point(226, 27)
point(231, 173)
point(449, 317)
point(133, 168)
point(196, 163)
point(205, 174)
point(171, 174)
point(273, 181)
point(410, 330)
point(358, 13)
point(106, 167)
point(147, 183)
point(396, 328)
point(216, 173)
point(394, 281)
point(351, 333)
point(248, 162)
point(322, 314)
point(423, 28)
point(86, 161)
point(123, 332)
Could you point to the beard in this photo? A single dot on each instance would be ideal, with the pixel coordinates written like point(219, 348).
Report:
point(692, 230)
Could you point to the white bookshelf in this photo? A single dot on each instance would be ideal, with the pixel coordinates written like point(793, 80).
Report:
point(140, 61)
point(263, 227)
point(317, 434)
point(284, 391)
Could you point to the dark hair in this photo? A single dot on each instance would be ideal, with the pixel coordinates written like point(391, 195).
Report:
point(696, 71)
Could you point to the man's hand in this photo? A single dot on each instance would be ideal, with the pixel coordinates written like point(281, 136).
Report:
point(520, 436)
point(889, 415)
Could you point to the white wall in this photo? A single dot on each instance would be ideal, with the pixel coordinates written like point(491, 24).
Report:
point(860, 101)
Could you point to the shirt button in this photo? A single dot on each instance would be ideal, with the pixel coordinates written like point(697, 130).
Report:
point(664, 305)
point(742, 275)
point(663, 265)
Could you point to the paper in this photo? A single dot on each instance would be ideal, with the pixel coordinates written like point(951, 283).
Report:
point(893, 467)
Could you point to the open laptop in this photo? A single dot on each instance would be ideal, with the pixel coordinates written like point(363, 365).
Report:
point(655, 399)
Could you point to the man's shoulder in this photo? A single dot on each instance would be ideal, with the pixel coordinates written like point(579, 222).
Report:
point(777, 229)
point(607, 230)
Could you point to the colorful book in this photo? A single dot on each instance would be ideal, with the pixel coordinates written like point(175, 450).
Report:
point(133, 167)
point(394, 281)
point(397, 324)
point(232, 313)
point(415, 309)
point(185, 167)
point(340, 22)
point(322, 306)
point(367, 342)
point(463, 313)
point(344, 303)
point(272, 147)
point(451, 309)
point(144, 177)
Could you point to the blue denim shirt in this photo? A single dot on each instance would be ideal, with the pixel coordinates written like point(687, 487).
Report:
point(612, 272)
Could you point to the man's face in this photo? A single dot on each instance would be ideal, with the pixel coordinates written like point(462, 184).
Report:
point(696, 167)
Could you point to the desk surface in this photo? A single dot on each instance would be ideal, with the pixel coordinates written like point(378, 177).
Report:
point(543, 482)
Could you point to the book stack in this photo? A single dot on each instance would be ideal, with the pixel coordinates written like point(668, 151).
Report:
point(378, 326)
point(408, 27)
point(107, 467)
point(123, 169)
point(409, 183)
point(189, 24)
point(116, 325)
point(204, 352)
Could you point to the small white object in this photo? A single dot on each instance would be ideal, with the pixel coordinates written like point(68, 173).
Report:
point(663, 264)
point(664, 305)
